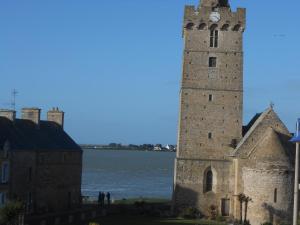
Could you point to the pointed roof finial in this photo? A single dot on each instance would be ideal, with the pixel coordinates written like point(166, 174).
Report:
point(214, 3)
point(272, 105)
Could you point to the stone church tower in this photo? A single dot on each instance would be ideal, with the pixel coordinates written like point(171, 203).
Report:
point(211, 97)
point(208, 164)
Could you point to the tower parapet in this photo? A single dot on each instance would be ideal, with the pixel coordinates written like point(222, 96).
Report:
point(200, 18)
point(214, 3)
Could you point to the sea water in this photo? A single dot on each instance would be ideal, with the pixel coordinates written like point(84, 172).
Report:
point(128, 174)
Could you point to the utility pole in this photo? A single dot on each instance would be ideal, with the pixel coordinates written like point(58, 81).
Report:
point(296, 139)
point(13, 99)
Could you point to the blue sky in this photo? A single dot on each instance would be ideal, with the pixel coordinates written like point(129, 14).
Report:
point(114, 66)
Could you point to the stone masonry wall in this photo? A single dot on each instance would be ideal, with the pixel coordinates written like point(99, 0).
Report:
point(189, 190)
point(53, 179)
point(260, 185)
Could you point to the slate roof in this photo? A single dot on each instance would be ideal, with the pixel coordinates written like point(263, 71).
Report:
point(24, 135)
point(250, 124)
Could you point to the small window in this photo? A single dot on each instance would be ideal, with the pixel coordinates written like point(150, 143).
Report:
point(189, 26)
point(236, 27)
point(225, 207)
point(209, 181)
point(209, 135)
point(275, 195)
point(210, 98)
point(202, 26)
point(64, 157)
point(29, 202)
point(212, 62)
point(225, 27)
point(2, 198)
point(5, 172)
point(214, 37)
point(6, 148)
point(30, 174)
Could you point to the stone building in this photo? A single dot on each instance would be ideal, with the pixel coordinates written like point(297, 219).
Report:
point(218, 158)
point(41, 164)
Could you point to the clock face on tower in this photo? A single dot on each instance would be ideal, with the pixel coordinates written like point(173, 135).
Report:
point(215, 17)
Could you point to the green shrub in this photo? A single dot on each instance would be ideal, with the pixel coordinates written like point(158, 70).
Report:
point(190, 213)
point(140, 204)
point(220, 219)
point(267, 223)
point(213, 212)
point(236, 222)
point(10, 212)
point(286, 223)
point(247, 222)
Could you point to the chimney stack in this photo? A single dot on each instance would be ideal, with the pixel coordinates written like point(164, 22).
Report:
point(8, 113)
point(32, 114)
point(56, 115)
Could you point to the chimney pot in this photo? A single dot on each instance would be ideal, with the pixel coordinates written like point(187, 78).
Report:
point(57, 116)
point(32, 114)
point(8, 113)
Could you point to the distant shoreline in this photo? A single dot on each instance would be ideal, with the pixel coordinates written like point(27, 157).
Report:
point(120, 149)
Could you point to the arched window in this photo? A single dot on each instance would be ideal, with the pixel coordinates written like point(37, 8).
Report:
point(213, 27)
point(189, 26)
point(214, 36)
point(209, 181)
point(236, 27)
point(202, 26)
point(225, 27)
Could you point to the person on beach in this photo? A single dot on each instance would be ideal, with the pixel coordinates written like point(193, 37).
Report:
point(99, 198)
point(108, 198)
point(102, 198)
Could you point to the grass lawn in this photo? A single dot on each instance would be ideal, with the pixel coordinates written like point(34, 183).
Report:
point(141, 220)
point(127, 219)
point(131, 201)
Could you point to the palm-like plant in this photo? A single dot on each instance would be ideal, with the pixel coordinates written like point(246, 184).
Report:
point(241, 198)
point(247, 199)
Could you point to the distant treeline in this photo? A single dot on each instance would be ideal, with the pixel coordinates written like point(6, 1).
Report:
point(115, 146)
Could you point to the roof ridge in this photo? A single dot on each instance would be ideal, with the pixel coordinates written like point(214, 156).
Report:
point(253, 127)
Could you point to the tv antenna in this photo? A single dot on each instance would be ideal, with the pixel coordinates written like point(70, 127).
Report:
point(14, 94)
